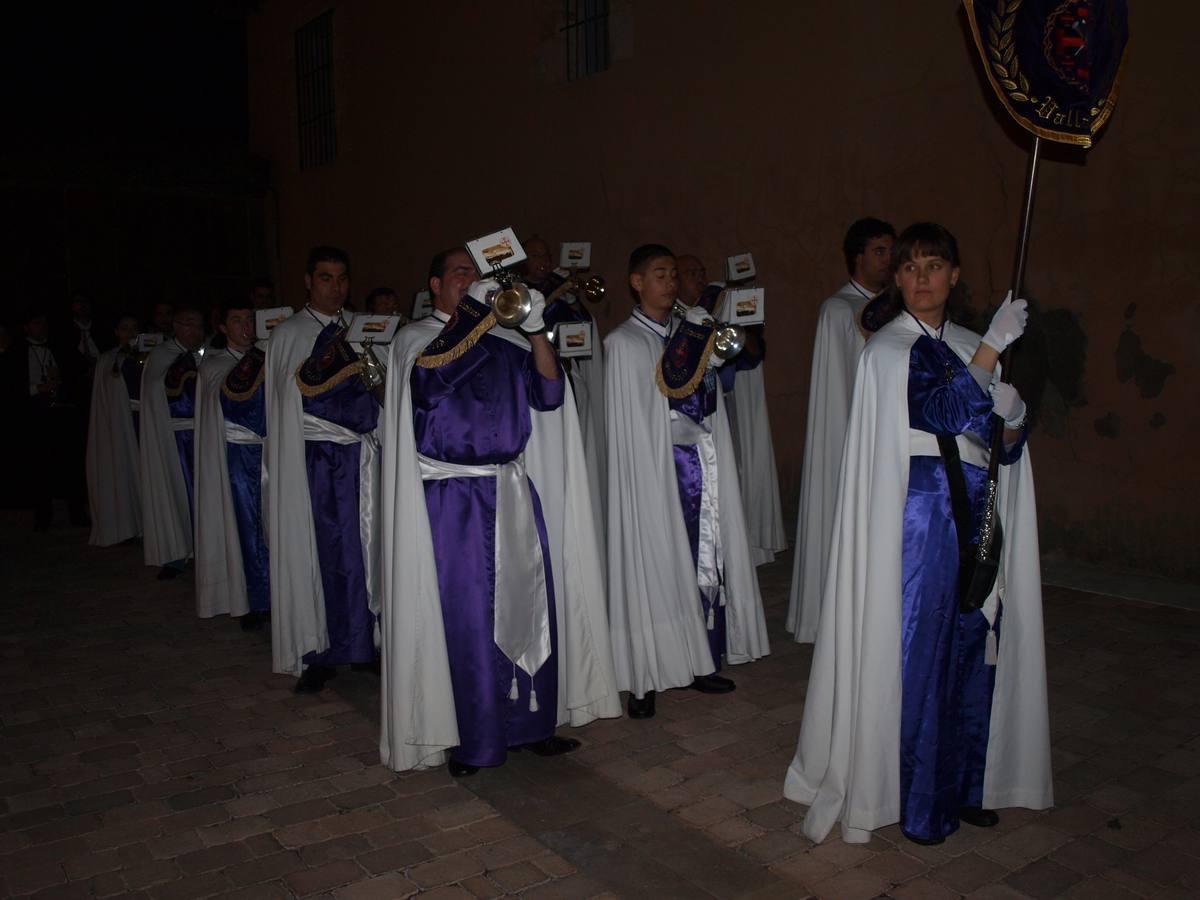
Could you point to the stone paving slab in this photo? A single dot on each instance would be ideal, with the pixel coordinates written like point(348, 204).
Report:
point(147, 753)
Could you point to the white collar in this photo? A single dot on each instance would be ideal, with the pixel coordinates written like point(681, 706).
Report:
point(320, 316)
point(868, 294)
point(440, 316)
point(236, 354)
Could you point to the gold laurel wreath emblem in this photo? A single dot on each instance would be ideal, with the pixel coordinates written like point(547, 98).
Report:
point(1002, 52)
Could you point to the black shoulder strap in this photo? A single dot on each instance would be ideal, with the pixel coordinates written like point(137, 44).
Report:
point(958, 492)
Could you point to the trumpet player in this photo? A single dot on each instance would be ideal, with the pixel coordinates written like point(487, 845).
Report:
point(586, 373)
point(321, 454)
point(232, 573)
point(683, 593)
point(494, 625)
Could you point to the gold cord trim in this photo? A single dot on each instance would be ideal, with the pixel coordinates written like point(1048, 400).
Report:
point(686, 390)
point(172, 393)
point(440, 359)
point(249, 392)
point(316, 390)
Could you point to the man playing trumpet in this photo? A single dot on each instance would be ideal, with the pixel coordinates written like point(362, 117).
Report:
point(683, 592)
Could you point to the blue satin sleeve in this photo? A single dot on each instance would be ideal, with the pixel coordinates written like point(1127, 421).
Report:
point(431, 386)
point(544, 393)
point(945, 399)
point(726, 375)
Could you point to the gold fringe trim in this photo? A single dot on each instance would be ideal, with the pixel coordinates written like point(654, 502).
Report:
point(249, 392)
point(177, 392)
point(689, 388)
point(316, 390)
point(440, 359)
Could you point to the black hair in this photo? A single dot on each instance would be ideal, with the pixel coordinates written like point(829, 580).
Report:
point(859, 234)
point(437, 265)
point(230, 305)
point(378, 292)
point(326, 254)
point(640, 258)
point(930, 239)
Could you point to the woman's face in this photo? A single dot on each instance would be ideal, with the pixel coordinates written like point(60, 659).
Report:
point(925, 283)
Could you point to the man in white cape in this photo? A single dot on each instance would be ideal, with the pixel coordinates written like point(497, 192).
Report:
point(166, 446)
point(304, 641)
point(222, 528)
point(114, 485)
point(839, 341)
point(420, 723)
point(668, 597)
point(847, 763)
point(750, 426)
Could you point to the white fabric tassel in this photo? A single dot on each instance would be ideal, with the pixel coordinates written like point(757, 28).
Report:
point(991, 653)
point(533, 704)
point(712, 619)
point(513, 693)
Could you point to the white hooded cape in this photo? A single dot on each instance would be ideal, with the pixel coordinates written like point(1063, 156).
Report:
point(847, 763)
point(418, 721)
point(836, 349)
point(747, 406)
point(112, 463)
point(165, 515)
point(587, 384)
point(659, 634)
point(220, 578)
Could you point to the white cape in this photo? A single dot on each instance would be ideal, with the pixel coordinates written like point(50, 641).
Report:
point(659, 634)
point(836, 349)
point(113, 480)
point(165, 515)
point(418, 720)
point(220, 578)
point(587, 383)
point(847, 763)
point(747, 406)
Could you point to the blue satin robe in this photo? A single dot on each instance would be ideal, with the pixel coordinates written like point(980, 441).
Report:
point(245, 486)
point(476, 411)
point(183, 406)
point(946, 685)
point(333, 484)
point(689, 476)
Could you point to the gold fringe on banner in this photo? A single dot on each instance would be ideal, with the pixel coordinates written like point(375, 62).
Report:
point(433, 361)
point(249, 392)
point(172, 393)
point(316, 390)
point(689, 388)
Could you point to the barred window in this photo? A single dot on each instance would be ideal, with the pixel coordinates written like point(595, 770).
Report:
point(314, 92)
point(586, 32)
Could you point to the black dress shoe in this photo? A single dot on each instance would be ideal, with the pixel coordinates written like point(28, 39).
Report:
point(312, 679)
point(712, 684)
point(552, 746)
point(642, 709)
point(460, 770)
point(371, 667)
point(251, 621)
point(979, 817)
point(924, 842)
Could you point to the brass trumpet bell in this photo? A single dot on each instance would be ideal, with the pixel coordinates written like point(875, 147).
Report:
point(511, 305)
point(593, 289)
point(730, 339)
point(372, 372)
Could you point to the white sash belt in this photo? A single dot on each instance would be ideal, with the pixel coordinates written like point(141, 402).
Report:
point(522, 629)
point(182, 424)
point(240, 434)
point(922, 443)
point(317, 429)
point(709, 553)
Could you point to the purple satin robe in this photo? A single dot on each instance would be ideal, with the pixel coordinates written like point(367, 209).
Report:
point(946, 686)
point(473, 411)
point(244, 462)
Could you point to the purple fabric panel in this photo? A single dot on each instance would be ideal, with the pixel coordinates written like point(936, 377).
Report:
point(249, 413)
point(689, 476)
point(462, 515)
point(700, 403)
point(475, 410)
point(245, 486)
point(347, 404)
point(946, 688)
point(185, 443)
point(333, 488)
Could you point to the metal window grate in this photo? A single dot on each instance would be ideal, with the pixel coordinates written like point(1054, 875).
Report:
point(314, 92)
point(586, 32)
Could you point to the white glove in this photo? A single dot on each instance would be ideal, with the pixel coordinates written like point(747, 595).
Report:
point(1007, 404)
point(481, 290)
point(534, 322)
point(715, 362)
point(697, 315)
point(1008, 323)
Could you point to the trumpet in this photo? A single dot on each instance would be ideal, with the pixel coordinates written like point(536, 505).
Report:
point(372, 371)
point(730, 339)
point(512, 304)
point(592, 288)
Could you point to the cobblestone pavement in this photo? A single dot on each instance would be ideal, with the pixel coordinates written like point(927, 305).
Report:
point(147, 753)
